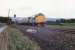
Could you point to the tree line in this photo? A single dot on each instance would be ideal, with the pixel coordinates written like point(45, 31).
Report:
point(66, 21)
point(4, 19)
point(7, 20)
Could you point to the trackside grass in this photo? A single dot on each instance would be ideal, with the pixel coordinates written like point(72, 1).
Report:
point(16, 41)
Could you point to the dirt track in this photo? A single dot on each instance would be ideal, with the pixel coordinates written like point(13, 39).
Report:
point(51, 39)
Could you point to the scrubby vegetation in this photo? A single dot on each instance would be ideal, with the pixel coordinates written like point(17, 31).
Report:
point(16, 41)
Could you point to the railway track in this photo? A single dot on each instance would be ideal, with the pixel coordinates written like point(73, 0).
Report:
point(50, 39)
point(3, 37)
point(2, 29)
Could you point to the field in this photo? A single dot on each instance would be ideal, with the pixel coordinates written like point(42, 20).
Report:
point(66, 35)
point(64, 26)
point(52, 37)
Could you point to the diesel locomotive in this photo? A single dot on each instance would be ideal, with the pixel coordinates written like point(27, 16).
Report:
point(38, 19)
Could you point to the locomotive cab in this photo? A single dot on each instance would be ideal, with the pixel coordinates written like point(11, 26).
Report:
point(40, 19)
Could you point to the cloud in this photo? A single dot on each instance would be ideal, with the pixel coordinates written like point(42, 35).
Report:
point(54, 8)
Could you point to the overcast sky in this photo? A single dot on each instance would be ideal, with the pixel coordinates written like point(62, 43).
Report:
point(51, 8)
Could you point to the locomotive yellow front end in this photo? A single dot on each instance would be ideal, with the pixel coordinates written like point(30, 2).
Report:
point(40, 20)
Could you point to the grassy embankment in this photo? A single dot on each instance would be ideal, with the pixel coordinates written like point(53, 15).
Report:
point(16, 41)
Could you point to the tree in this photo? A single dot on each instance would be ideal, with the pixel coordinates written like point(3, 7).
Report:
point(4, 19)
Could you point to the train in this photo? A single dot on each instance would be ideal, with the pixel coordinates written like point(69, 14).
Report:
point(38, 19)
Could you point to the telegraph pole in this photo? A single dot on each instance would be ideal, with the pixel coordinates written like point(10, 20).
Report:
point(8, 12)
point(8, 16)
point(8, 23)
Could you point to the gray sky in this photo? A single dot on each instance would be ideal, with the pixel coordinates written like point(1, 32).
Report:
point(51, 8)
